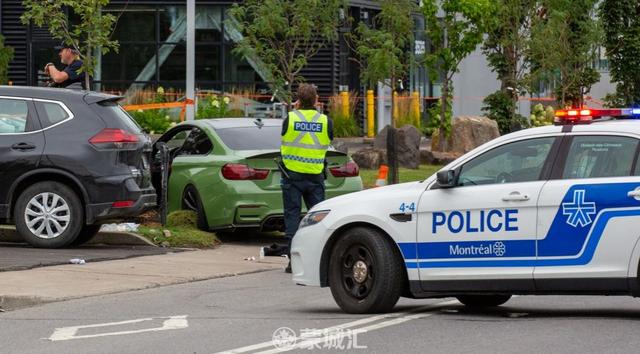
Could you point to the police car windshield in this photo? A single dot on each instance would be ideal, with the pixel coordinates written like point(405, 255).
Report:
point(251, 138)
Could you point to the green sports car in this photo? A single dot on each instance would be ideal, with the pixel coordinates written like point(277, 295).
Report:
point(226, 171)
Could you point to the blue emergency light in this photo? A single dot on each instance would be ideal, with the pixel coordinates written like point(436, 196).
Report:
point(587, 115)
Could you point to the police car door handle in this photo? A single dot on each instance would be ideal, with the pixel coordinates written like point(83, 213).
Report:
point(515, 197)
point(634, 193)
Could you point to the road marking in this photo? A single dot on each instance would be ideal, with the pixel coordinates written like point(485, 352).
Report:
point(170, 323)
point(335, 333)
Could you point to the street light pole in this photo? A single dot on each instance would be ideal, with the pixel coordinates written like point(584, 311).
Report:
point(191, 48)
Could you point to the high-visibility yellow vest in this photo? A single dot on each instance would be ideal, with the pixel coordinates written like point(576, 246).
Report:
point(305, 144)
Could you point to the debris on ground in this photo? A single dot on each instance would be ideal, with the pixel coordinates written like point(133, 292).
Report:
point(166, 233)
point(250, 259)
point(77, 261)
point(124, 227)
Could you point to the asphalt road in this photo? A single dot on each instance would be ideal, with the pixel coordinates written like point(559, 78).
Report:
point(242, 313)
point(19, 256)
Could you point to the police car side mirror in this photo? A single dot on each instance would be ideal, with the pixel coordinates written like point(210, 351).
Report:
point(446, 179)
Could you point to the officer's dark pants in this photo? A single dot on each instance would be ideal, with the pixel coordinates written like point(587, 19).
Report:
point(293, 191)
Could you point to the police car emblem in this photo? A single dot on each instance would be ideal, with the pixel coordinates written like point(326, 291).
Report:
point(499, 249)
point(578, 211)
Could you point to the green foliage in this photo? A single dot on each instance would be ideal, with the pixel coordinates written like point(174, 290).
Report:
point(435, 121)
point(6, 56)
point(500, 106)
point(541, 116)
point(213, 106)
point(566, 60)
point(621, 24)
point(453, 36)
point(182, 218)
point(284, 34)
point(506, 47)
point(154, 121)
point(93, 30)
point(382, 51)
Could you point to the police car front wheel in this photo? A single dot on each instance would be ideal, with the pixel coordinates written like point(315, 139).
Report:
point(363, 275)
point(483, 300)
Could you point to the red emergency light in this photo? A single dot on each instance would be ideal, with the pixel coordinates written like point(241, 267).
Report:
point(587, 115)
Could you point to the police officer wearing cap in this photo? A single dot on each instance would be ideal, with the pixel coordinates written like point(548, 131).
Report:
point(306, 136)
point(69, 77)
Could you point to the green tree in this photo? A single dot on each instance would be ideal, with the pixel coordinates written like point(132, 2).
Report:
point(567, 59)
point(6, 56)
point(285, 34)
point(384, 54)
point(506, 47)
point(455, 28)
point(621, 27)
point(91, 32)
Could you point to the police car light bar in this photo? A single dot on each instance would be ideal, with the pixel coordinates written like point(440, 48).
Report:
point(587, 115)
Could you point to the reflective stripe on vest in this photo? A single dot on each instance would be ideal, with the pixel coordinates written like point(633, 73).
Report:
point(316, 141)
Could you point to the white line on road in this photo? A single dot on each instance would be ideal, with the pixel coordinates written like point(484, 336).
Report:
point(69, 333)
point(335, 333)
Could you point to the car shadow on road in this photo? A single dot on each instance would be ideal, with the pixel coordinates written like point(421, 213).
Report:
point(531, 313)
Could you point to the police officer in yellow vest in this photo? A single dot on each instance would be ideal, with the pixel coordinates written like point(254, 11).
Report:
point(306, 136)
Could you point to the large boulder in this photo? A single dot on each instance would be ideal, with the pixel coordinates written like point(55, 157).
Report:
point(407, 145)
point(467, 133)
point(429, 157)
point(370, 158)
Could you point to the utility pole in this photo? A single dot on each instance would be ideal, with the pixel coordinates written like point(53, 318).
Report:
point(191, 48)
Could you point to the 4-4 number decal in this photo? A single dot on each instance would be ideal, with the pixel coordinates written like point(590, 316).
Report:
point(408, 207)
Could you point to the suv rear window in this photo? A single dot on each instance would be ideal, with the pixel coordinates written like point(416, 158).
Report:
point(251, 138)
point(600, 156)
point(116, 117)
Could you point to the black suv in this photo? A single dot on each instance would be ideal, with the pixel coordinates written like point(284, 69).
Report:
point(69, 161)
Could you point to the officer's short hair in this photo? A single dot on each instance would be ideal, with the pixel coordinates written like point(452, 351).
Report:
point(307, 95)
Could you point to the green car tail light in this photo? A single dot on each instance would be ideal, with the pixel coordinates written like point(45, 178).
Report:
point(240, 172)
point(350, 169)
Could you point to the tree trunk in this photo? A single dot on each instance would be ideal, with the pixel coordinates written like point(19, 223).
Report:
point(87, 62)
point(443, 114)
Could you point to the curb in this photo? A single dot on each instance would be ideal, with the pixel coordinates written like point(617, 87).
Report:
point(11, 303)
point(9, 234)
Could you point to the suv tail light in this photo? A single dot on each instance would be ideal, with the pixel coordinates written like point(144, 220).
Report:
point(110, 138)
point(350, 169)
point(237, 172)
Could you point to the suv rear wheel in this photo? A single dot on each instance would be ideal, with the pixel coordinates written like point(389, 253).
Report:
point(49, 215)
point(87, 234)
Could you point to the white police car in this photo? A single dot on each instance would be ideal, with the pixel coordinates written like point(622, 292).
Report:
point(551, 210)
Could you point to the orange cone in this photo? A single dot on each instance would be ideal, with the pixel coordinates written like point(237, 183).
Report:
point(383, 171)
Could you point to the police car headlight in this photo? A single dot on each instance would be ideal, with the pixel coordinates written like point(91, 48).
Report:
point(313, 218)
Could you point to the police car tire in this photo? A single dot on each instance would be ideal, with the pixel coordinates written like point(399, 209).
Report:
point(483, 300)
point(388, 273)
point(76, 215)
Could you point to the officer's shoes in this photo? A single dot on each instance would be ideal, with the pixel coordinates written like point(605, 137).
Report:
point(288, 269)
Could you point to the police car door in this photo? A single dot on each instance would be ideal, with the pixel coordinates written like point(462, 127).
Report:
point(484, 228)
point(588, 220)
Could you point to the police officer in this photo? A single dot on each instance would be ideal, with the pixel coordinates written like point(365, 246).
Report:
point(306, 136)
point(69, 77)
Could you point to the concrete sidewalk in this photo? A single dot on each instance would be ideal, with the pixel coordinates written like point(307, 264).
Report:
point(57, 283)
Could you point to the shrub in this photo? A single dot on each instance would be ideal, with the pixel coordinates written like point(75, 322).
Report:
point(154, 121)
point(541, 116)
point(344, 125)
point(6, 56)
point(213, 106)
point(500, 107)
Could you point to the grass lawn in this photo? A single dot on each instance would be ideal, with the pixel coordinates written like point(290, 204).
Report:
point(182, 232)
point(406, 175)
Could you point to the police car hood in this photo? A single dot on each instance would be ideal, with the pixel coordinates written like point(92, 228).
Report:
point(373, 195)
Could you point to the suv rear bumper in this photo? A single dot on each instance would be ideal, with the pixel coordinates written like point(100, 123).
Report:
point(106, 212)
